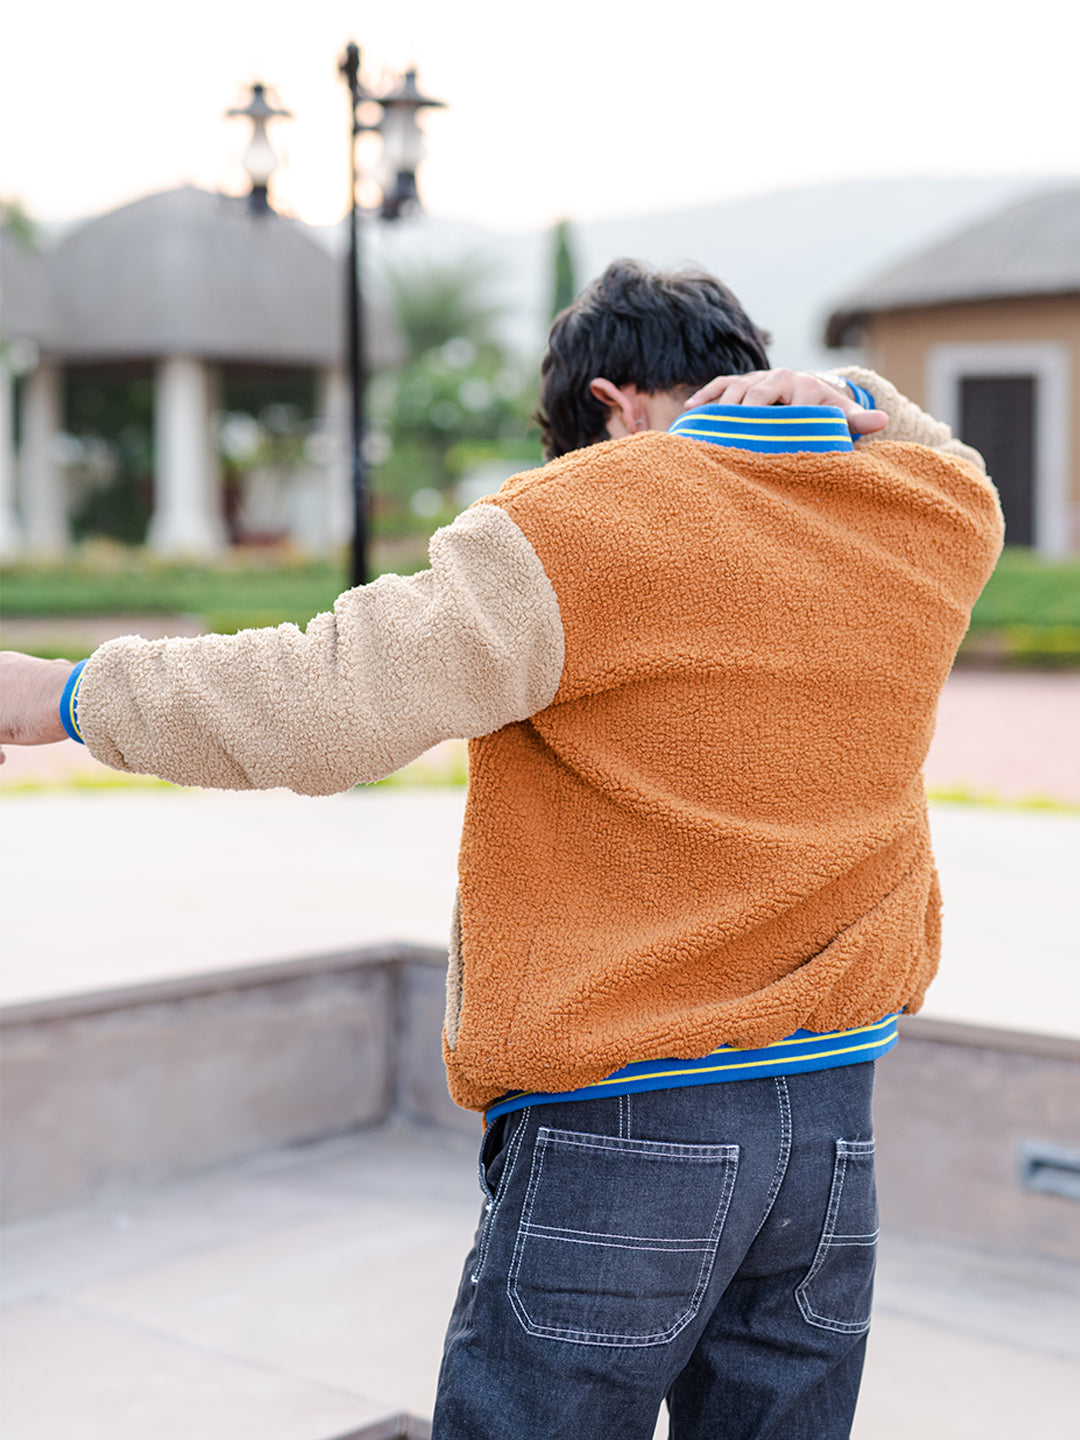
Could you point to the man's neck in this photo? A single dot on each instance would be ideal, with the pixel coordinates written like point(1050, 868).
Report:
point(661, 409)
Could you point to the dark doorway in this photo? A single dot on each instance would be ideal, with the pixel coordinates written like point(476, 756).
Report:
point(108, 419)
point(997, 417)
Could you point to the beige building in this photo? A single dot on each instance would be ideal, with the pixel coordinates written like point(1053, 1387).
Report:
point(983, 330)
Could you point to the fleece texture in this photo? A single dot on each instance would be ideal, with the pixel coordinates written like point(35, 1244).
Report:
point(700, 685)
point(458, 650)
point(716, 833)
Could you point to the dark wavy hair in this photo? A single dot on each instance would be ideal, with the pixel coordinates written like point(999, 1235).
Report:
point(657, 330)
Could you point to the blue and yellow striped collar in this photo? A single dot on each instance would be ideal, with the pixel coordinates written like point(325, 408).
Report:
point(768, 429)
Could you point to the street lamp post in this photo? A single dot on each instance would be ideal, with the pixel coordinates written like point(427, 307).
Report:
point(402, 153)
point(259, 160)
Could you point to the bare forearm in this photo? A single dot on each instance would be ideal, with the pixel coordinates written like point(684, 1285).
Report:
point(30, 692)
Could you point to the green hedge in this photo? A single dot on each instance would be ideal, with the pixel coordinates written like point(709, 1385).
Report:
point(1026, 590)
point(1032, 605)
point(139, 587)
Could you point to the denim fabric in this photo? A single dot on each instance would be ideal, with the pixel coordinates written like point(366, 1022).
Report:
point(713, 1246)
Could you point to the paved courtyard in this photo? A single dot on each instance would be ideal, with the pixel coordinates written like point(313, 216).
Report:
point(303, 1294)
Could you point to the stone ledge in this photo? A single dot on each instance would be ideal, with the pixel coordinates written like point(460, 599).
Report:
point(241, 977)
point(119, 1089)
point(116, 1090)
point(397, 1427)
point(988, 1037)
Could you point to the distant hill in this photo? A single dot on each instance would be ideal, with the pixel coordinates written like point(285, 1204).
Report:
point(789, 255)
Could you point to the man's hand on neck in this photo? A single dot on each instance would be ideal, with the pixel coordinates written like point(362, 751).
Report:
point(788, 387)
point(630, 411)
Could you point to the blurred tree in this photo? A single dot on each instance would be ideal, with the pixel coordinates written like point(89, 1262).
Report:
point(436, 301)
point(461, 400)
point(17, 223)
point(565, 287)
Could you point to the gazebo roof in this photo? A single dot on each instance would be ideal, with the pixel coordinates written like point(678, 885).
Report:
point(1030, 248)
point(27, 304)
point(188, 272)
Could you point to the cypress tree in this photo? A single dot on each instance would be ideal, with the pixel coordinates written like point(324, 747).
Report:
point(565, 287)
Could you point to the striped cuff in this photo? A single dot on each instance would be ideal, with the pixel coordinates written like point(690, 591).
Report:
point(865, 399)
point(862, 397)
point(69, 704)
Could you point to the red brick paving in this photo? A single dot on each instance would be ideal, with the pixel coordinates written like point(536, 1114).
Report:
point(1015, 736)
point(1010, 735)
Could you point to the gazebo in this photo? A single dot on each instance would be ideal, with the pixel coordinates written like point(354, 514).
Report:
point(188, 287)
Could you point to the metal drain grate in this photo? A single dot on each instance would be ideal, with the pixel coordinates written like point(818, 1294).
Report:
point(1053, 1169)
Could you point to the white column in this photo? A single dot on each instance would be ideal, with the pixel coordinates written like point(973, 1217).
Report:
point(10, 529)
point(187, 510)
point(44, 503)
point(215, 487)
point(333, 412)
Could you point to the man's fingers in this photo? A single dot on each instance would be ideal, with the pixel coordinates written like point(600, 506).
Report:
point(771, 390)
point(725, 389)
point(788, 387)
point(867, 422)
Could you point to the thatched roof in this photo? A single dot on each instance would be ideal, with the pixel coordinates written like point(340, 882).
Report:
point(27, 306)
point(187, 272)
point(1029, 248)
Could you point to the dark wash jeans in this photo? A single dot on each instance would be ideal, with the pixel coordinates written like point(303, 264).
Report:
point(712, 1245)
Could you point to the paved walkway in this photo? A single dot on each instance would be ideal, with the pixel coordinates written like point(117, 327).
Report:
point(304, 1294)
point(114, 888)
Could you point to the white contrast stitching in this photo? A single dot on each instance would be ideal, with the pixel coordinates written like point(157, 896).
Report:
point(603, 1235)
point(704, 1154)
point(494, 1201)
point(845, 1150)
point(540, 1232)
point(728, 1154)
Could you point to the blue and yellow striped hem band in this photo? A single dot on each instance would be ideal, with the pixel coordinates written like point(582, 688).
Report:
point(802, 1051)
point(768, 429)
point(69, 703)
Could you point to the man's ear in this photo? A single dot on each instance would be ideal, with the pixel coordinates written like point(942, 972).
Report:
point(625, 409)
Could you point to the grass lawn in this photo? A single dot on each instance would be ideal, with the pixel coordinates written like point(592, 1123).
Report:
point(1026, 590)
point(244, 589)
point(294, 592)
point(1029, 613)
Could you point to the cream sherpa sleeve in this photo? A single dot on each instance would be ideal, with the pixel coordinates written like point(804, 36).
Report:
point(907, 422)
point(462, 649)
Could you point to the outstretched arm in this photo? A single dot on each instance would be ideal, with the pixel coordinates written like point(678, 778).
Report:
point(462, 649)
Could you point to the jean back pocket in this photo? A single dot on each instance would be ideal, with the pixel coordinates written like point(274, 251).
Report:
point(838, 1289)
point(618, 1236)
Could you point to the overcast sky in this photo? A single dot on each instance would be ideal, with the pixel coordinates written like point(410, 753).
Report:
point(562, 108)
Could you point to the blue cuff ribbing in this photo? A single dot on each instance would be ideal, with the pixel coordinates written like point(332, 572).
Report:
point(865, 399)
point(69, 704)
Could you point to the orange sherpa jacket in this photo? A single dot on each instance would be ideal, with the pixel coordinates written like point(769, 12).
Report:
point(700, 683)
